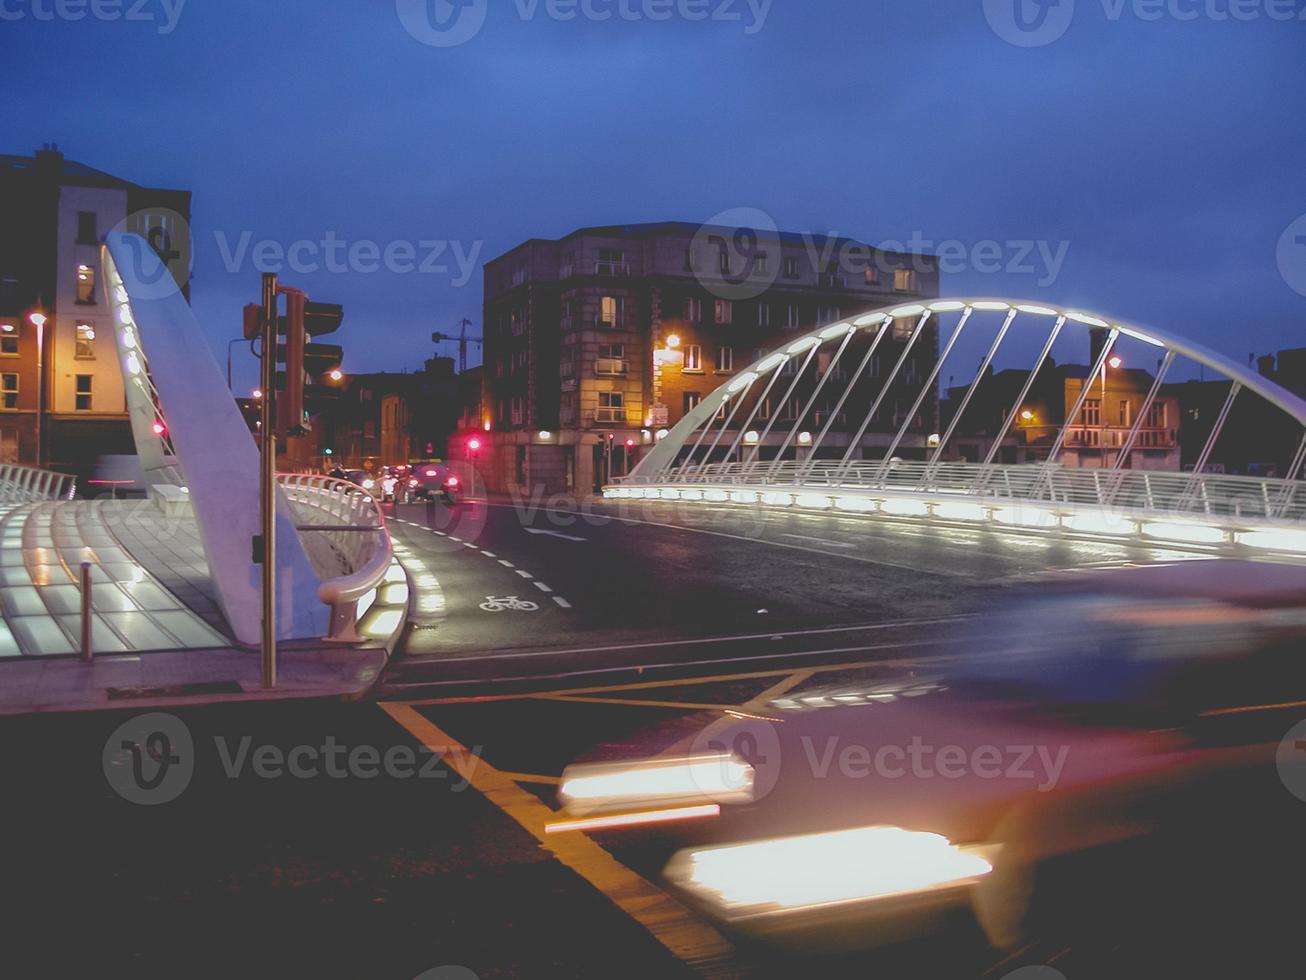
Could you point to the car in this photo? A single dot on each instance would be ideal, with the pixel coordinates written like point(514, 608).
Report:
point(428, 480)
point(1111, 753)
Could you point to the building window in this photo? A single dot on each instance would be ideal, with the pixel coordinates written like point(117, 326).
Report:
point(612, 407)
point(689, 260)
point(85, 285)
point(764, 410)
point(85, 340)
point(791, 317)
point(725, 311)
point(693, 358)
point(761, 264)
point(1124, 411)
point(611, 359)
point(9, 388)
point(1156, 415)
point(610, 311)
point(693, 309)
point(8, 445)
point(9, 339)
point(904, 280)
point(725, 360)
point(692, 398)
point(517, 322)
point(518, 410)
point(723, 261)
point(826, 314)
point(86, 230)
point(83, 403)
point(612, 262)
point(763, 314)
point(791, 267)
point(1093, 412)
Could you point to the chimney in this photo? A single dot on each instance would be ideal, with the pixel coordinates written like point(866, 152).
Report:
point(1096, 344)
point(49, 159)
point(1265, 365)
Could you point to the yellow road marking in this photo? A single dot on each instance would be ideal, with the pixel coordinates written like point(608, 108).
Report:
point(531, 777)
point(775, 690)
point(633, 702)
point(687, 938)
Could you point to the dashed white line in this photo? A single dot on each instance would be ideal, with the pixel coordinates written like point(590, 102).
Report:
point(452, 538)
point(488, 554)
point(468, 544)
point(506, 564)
point(524, 574)
point(542, 587)
point(562, 602)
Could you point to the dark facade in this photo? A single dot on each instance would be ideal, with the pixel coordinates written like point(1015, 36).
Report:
point(614, 333)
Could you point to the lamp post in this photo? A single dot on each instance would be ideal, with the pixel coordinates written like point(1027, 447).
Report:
point(39, 320)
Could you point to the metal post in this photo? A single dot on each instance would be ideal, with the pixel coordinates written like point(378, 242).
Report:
point(86, 652)
point(757, 406)
point(846, 463)
point(268, 480)
point(811, 403)
point(970, 393)
point(848, 390)
point(1024, 393)
point(1128, 447)
point(770, 424)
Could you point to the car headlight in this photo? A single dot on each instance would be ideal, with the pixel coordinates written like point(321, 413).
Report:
point(813, 870)
point(368, 484)
point(718, 778)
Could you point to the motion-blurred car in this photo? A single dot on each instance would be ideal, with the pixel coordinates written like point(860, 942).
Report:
point(1109, 750)
point(427, 480)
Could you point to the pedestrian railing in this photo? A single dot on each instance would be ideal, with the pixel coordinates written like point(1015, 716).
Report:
point(344, 534)
point(19, 484)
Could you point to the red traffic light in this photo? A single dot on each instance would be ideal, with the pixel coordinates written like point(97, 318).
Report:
point(630, 443)
point(474, 444)
point(159, 428)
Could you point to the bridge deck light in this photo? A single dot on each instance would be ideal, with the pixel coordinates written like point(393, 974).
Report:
point(799, 346)
point(838, 330)
point(991, 306)
point(869, 320)
point(1038, 310)
point(905, 311)
point(1092, 321)
point(947, 306)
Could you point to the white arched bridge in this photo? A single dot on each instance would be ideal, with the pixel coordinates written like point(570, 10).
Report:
point(1072, 421)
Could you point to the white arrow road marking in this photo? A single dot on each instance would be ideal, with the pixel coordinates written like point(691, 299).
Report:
point(554, 534)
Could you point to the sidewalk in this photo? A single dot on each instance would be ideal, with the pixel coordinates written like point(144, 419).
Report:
point(185, 677)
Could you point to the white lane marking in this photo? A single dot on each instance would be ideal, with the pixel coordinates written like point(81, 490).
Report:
point(468, 544)
point(452, 538)
point(824, 541)
point(553, 534)
point(542, 587)
point(524, 574)
point(506, 564)
point(562, 602)
point(488, 554)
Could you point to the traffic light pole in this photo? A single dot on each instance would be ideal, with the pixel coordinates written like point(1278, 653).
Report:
point(268, 477)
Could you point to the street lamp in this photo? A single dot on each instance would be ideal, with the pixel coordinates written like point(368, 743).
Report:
point(39, 320)
point(335, 374)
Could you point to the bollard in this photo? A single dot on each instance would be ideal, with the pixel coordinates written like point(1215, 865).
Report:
point(86, 612)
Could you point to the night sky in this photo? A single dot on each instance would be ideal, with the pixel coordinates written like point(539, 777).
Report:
point(1169, 156)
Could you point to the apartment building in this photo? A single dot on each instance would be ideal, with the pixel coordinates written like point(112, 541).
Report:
point(62, 402)
point(598, 341)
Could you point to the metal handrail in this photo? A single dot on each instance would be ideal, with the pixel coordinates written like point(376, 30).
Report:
point(1207, 495)
point(20, 484)
point(339, 515)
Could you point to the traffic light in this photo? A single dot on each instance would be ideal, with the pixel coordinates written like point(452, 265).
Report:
point(303, 319)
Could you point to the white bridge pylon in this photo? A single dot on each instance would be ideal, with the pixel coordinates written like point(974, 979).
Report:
point(836, 419)
point(195, 447)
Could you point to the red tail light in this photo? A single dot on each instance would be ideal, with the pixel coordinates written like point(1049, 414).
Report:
point(451, 482)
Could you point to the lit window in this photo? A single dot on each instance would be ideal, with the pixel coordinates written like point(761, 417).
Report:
point(83, 403)
point(693, 357)
point(85, 340)
point(725, 311)
point(610, 311)
point(9, 339)
point(872, 273)
point(904, 280)
point(725, 359)
point(9, 388)
point(692, 398)
point(518, 410)
point(85, 284)
point(693, 309)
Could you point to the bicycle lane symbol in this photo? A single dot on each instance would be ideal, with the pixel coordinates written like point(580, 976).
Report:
point(510, 603)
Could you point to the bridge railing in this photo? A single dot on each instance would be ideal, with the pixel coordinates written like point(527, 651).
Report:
point(19, 484)
point(1150, 491)
point(344, 534)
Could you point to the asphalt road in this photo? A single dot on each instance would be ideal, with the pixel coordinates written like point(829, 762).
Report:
point(633, 584)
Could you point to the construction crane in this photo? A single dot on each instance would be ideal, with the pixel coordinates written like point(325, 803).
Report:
point(462, 340)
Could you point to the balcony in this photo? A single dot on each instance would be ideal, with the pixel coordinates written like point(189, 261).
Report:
point(611, 268)
point(614, 367)
point(1098, 437)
